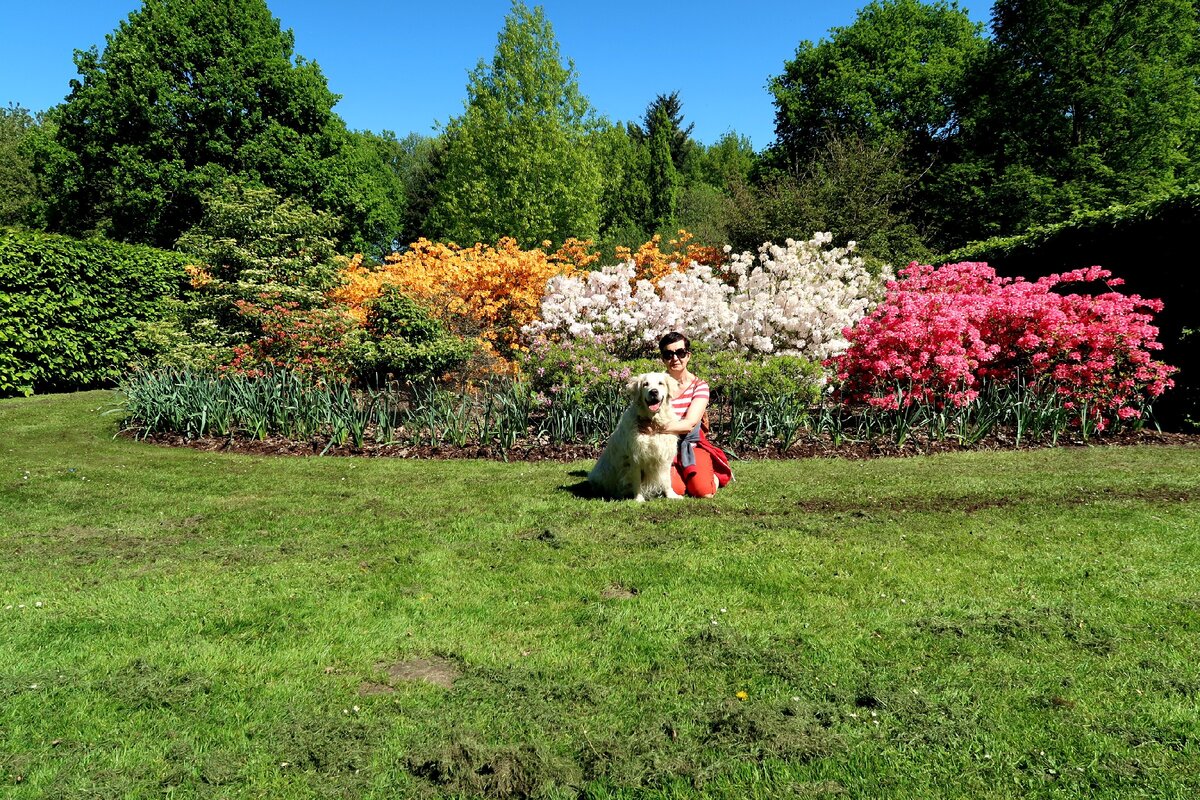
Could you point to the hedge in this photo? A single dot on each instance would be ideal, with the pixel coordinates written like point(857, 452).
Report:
point(1152, 246)
point(68, 307)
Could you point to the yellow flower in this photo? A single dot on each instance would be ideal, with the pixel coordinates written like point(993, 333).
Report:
point(742, 696)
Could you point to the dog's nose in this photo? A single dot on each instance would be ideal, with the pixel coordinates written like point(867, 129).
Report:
point(653, 396)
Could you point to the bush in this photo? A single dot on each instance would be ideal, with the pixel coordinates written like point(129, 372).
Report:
point(405, 342)
point(491, 291)
point(792, 299)
point(943, 333)
point(1146, 242)
point(69, 308)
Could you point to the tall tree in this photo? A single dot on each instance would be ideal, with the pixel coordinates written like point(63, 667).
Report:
point(897, 73)
point(663, 178)
point(19, 196)
point(517, 161)
point(1086, 103)
point(185, 94)
point(625, 196)
point(666, 111)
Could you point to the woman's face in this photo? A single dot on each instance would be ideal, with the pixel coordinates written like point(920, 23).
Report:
point(675, 356)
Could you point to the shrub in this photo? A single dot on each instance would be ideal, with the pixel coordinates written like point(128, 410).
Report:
point(312, 342)
point(405, 342)
point(1120, 237)
point(793, 299)
point(69, 307)
point(484, 290)
point(942, 333)
point(260, 269)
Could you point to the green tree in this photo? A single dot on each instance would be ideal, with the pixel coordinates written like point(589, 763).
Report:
point(1083, 103)
point(732, 157)
point(18, 181)
point(186, 94)
point(373, 171)
point(663, 177)
point(625, 194)
point(419, 163)
point(897, 73)
point(517, 161)
point(666, 111)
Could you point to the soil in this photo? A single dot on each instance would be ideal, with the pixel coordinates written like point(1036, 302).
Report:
point(563, 452)
point(437, 671)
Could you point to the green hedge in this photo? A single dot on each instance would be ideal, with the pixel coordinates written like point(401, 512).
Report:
point(1151, 245)
point(68, 307)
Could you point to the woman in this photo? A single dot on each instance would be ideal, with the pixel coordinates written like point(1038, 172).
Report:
point(700, 466)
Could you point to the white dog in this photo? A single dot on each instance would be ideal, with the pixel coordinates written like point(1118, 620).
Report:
point(635, 463)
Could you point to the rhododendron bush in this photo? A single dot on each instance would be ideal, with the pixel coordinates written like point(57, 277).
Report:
point(942, 332)
point(494, 290)
point(793, 299)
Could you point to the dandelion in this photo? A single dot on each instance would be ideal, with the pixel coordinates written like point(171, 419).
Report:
point(742, 696)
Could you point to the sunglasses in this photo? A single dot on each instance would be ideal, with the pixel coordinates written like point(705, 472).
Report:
point(682, 352)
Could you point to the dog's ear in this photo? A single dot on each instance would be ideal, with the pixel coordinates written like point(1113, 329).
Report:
point(632, 386)
point(673, 387)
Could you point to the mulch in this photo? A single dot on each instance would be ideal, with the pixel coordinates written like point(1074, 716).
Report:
point(564, 452)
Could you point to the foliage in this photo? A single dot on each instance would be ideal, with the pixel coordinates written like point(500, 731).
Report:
point(375, 205)
point(857, 188)
point(896, 75)
point(483, 291)
point(663, 177)
point(186, 94)
point(261, 266)
point(941, 333)
point(419, 160)
point(517, 161)
point(405, 341)
point(1120, 237)
point(1087, 104)
point(665, 115)
point(21, 192)
point(625, 194)
point(792, 299)
point(312, 342)
point(68, 307)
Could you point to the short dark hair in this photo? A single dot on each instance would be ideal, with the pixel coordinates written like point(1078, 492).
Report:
point(671, 338)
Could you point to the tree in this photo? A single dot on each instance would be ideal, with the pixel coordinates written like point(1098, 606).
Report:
point(666, 111)
point(625, 194)
point(517, 161)
point(186, 94)
point(897, 73)
point(663, 178)
point(375, 207)
point(1084, 103)
point(732, 157)
point(18, 182)
point(419, 163)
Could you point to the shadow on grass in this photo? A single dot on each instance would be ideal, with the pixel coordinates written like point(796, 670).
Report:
point(581, 489)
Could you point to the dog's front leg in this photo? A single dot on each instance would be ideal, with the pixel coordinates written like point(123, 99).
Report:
point(668, 490)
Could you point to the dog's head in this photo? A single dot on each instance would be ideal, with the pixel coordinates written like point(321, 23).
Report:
point(651, 393)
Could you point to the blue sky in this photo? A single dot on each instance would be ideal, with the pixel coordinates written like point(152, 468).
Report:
point(402, 66)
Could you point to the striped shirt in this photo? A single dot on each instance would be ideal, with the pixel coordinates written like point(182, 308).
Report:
point(695, 390)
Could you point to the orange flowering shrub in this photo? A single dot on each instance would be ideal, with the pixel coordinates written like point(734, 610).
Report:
point(653, 263)
point(357, 286)
point(495, 290)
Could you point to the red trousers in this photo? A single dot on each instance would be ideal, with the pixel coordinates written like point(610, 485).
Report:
point(699, 480)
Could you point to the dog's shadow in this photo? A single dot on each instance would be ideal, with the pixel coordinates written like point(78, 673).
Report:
point(582, 489)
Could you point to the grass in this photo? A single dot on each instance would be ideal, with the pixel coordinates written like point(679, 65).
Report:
point(186, 624)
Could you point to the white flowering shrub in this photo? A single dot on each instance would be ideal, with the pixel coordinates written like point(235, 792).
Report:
point(793, 299)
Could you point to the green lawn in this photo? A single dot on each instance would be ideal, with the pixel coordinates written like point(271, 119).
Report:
point(185, 624)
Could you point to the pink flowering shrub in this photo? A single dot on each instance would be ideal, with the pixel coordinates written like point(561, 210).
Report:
point(942, 332)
